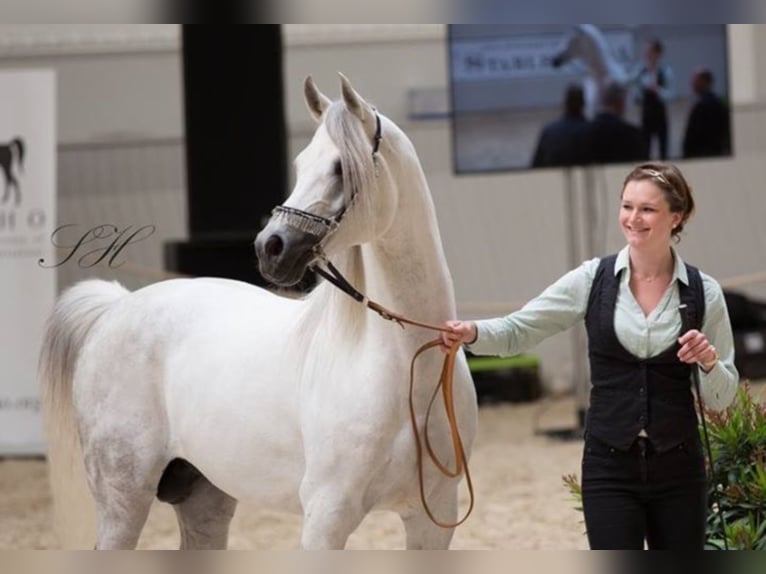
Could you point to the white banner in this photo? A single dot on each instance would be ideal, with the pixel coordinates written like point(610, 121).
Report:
point(523, 56)
point(27, 218)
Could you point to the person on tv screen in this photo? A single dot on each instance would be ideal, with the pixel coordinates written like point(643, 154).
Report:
point(707, 128)
point(612, 139)
point(564, 142)
point(643, 470)
point(655, 82)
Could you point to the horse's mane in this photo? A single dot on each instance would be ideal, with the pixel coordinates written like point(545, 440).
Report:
point(347, 133)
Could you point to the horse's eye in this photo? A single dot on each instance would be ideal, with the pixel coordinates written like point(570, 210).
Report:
point(338, 169)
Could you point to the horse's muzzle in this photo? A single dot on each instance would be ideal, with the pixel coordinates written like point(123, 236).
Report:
point(284, 254)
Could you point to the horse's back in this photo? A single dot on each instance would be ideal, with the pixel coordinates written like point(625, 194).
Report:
point(197, 300)
point(162, 315)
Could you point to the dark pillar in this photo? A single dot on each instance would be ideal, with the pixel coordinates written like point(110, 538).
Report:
point(235, 146)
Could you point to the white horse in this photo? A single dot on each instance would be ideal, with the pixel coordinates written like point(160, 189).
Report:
point(205, 392)
point(586, 46)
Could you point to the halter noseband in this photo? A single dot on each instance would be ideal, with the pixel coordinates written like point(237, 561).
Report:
point(318, 225)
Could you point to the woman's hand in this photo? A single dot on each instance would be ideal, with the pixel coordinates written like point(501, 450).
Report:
point(695, 348)
point(459, 331)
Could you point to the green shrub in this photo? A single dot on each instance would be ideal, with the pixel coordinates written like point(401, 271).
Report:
point(738, 443)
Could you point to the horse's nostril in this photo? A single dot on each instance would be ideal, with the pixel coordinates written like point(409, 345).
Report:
point(274, 246)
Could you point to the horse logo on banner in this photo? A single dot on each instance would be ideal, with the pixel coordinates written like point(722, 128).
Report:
point(11, 161)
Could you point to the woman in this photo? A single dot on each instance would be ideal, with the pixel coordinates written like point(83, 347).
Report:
point(643, 467)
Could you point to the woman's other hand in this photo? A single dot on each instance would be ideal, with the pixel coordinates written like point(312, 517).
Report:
point(695, 348)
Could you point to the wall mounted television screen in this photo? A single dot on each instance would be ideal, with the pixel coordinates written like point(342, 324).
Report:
point(536, 96)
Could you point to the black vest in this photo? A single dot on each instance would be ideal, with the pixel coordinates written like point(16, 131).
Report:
point(629, 393)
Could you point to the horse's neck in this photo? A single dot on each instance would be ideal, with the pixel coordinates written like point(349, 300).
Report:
point(597, 54)
point(600, 63)
point(408, 265)
point(406, 270)
point(409, 276)
point(606, 67)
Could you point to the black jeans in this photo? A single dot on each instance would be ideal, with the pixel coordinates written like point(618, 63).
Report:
point(638, 495)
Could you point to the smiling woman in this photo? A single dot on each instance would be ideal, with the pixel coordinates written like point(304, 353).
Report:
point(643, 468)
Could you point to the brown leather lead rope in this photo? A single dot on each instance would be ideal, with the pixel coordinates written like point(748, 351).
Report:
point(461, 461)
point(445, 384)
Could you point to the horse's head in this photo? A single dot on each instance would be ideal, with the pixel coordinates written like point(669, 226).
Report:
point(335, 202)
point(577, 45)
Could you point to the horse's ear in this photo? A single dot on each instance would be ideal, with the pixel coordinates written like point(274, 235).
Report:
point(316, 101)
point(354, 102)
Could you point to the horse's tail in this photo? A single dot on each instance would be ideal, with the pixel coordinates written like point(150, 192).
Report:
point(17, 145)
point(67, 329)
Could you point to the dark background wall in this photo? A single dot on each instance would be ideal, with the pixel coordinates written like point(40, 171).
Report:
point(235, 146)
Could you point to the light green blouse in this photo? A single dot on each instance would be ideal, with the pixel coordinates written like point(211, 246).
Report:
point(565, 302)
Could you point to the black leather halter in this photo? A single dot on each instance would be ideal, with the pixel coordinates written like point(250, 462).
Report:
point(316, 224)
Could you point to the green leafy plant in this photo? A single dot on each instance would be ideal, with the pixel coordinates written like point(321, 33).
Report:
point(738, 444)
point(574, 488)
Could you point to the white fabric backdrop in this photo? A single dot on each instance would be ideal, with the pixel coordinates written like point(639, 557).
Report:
point(27, 290)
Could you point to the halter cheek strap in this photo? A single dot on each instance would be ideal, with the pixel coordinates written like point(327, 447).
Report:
point(378, 135)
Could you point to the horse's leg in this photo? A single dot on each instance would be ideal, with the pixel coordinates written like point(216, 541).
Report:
point(331, 512)
point(124, 458)
point(592, 93)
point(422, 532)
point(204, 517)
point(123, 484)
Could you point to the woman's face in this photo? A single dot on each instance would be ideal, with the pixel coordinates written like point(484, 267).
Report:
point(645, 216)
